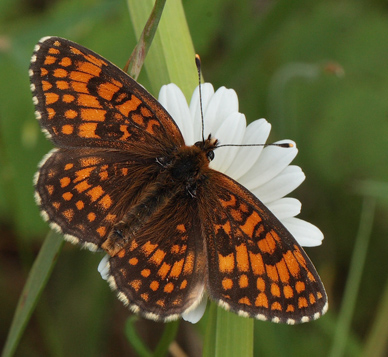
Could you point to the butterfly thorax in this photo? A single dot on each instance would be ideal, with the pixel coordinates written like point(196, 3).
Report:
point(187, 164)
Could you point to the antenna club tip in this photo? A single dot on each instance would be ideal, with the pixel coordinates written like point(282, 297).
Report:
point(286, 145)
point(198, 61)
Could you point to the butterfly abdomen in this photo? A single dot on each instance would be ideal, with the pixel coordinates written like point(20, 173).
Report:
point(154, 197)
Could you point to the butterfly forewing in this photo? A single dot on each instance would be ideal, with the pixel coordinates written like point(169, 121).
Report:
point(255, 267)
point(82, 99)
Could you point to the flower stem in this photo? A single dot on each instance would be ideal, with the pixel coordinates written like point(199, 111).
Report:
point(136, 60)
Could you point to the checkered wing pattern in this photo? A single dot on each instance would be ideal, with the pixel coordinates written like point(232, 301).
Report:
point(84, 192)
point(255, 267)
point(83, 100)
point(160, 274)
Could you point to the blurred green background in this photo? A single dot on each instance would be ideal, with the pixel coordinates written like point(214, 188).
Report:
point(317, 70)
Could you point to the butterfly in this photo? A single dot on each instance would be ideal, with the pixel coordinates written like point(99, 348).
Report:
point(121, 179)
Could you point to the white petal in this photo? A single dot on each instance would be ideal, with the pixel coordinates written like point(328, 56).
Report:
point(103, 267)
point(223, 103)
point(271, 162)
point(231, 131)
point(173, 100)
point(256, 132)
point(284, 208)
point(288, 180)
point(207, 91)
point(196, 314)
point(305, 233)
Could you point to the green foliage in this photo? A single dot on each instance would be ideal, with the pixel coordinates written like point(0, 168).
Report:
point(264, 50)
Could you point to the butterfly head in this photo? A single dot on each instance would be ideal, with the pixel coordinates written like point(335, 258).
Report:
point(208, 146)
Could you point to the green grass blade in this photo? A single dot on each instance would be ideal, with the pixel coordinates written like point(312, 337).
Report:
point(227, 334)
point(37, 279)
point(353, 283)
point(135, 62)
point(377, 341)
point(234, 335)
point(171, 56)
point(209, 345)
point(136, 342)
point(169, 333)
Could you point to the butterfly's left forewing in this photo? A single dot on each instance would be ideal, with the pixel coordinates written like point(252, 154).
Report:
point(82, 99)
point(255, 267)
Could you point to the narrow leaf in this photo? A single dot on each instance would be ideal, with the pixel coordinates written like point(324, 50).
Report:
point(209, 345)
point(171, 57)
point(135, 62)
point(169, 333)
point(134, 339)
point(37, 279)
point(234, 335)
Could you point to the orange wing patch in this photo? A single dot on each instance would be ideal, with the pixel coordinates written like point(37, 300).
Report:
point(90, 100)
point(259, 268)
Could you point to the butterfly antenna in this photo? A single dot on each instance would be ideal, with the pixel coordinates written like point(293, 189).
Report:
point(198, 64)
point(282, 145)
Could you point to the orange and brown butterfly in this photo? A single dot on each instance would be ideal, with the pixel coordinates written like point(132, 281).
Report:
point(123, 180)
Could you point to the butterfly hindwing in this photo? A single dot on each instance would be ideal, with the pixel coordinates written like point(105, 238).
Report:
point(160, 273)
point(83, 99)
point(80, 191)
point(255, 267)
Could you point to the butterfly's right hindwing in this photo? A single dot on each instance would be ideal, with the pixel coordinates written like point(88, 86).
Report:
point(255, 267)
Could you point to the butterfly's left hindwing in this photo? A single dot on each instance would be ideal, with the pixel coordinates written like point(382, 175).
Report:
point(84, 192)
point(255, 267)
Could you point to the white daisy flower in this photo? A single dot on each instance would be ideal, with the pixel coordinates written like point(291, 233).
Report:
point(265, 171)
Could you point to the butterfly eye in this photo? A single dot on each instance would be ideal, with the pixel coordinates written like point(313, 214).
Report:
point(210, 155)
